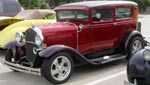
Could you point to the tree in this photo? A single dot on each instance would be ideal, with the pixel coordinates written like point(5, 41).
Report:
point(143, 4)
point(30, 4)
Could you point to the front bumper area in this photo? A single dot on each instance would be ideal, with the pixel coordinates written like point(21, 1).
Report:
point(18, 67)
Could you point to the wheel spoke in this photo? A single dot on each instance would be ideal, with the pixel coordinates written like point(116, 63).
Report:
point(60, 75)
point(66, 69)
point(56, 63)
point(62, 62)
point(54, 72)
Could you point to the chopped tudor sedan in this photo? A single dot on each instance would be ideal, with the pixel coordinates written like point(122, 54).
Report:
point(94, 32)
point(138, 69)
point(21, 22)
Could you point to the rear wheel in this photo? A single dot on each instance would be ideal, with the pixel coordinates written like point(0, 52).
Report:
point(58, 69)
point(134, 46)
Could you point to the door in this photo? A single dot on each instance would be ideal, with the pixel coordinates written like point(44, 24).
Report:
point(104, 33)
point(85, 39)
point(124, 22)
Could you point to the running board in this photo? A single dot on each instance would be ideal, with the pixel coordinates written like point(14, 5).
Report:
point(107, 59)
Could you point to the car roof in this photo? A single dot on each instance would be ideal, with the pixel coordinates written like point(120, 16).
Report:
point(34, 14)
point(100, 3)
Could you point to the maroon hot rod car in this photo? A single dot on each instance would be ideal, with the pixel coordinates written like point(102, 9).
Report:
point(93, 32)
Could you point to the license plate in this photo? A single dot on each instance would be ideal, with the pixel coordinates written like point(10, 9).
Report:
point(127, 83)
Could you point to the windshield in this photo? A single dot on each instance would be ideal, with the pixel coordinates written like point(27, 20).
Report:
point(73, 14)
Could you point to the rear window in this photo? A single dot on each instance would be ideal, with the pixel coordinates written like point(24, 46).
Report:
point(11, 7)
point(123, 13)
point(1, 7)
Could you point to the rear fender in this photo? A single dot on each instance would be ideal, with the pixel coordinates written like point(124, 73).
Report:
point(129, 37)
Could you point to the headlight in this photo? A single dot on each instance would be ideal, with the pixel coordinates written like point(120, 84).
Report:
point(19, 37)
point(39, 40)
point(147, 55)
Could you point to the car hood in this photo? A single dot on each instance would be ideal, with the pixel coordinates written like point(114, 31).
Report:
point(56, 32)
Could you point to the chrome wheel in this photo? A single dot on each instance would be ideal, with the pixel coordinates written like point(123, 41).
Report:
point(61, 68)
point(137, 45)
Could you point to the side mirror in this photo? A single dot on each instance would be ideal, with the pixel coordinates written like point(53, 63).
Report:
point(80, 27)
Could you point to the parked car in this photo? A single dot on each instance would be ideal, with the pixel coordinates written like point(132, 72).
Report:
point(138, 69)
point(94, 32)
point(9, 7)
point(21, 22)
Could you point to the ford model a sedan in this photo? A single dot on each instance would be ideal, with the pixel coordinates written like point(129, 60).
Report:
point(93, 32)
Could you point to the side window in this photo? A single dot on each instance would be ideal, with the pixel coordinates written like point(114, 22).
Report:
point(1, 7)
point(82, 15)
point(11, 7)
point(102, 15)
point(123, 13)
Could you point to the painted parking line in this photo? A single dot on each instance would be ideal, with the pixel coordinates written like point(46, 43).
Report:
point(1, 64)
point(106, 78)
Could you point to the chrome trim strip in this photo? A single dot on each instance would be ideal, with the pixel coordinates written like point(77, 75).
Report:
point(17, 67)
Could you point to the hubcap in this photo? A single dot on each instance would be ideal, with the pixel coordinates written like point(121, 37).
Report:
point(136, 46)
point(61, 68)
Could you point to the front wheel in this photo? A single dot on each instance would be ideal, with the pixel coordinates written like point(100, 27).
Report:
point(58, 69)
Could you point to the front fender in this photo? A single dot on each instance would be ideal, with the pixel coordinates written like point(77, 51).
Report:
point(17, 49)
point(52, 50)
point(11, 44)
point(138, 67)
point(137, 61)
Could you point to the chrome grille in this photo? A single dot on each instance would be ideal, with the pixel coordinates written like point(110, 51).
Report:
point(29, 37)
